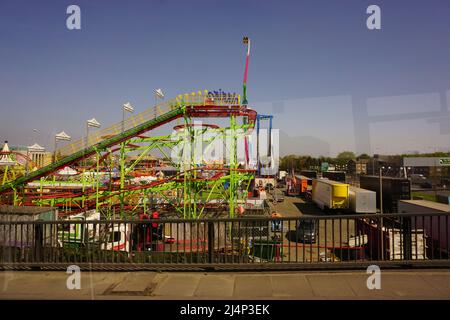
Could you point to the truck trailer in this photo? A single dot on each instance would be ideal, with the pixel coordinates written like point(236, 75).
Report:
point(436, 227)
point(328, 194)
point(362, 200)
point(334, 175)
point(394, 189)
point(309, 173)
point(296, 185)
point(395, 244)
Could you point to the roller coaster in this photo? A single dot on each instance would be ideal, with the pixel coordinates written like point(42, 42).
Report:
point(193, 189)
point(104, 180)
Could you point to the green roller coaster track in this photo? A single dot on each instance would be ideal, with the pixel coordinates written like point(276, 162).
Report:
point(90, 150)
point(196, 194)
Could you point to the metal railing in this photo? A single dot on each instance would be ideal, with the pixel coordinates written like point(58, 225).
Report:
point(194, 99)
point(130, 122)
point(242, 243)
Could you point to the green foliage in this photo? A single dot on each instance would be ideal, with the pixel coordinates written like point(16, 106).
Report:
point(424, 196)
point(363, 156)
point(347, 155)
point(297, 162)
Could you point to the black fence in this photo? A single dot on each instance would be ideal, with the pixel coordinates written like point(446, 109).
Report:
point(338, 241)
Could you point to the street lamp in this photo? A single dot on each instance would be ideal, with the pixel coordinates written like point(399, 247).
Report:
point(36, 132)
point(381, 186)
point(90, 123)
point(381, 189)
point(62, 136)
point(381, 213)
point(158, 94)
point(127, 107)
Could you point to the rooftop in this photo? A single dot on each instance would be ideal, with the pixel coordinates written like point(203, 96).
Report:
point(429, 204)
point(25, 210)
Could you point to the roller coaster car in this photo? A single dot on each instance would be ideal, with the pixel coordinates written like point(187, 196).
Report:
point(151, 232)
point(169, 240)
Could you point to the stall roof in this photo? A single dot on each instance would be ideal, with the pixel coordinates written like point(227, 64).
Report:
point(26, 210)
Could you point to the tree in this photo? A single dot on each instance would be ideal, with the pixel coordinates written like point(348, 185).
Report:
point(347, 155)
point(363, 156)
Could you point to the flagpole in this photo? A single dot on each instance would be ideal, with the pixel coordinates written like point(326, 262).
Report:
point(54, 156)
point(123, 119)
point(246, 40)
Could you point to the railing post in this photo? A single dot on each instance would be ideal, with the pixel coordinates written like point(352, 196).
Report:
point(407, 244)
point(210, 241)
point(38, 242)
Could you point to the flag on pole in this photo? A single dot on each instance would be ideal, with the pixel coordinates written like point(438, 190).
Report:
point(5, 158)
point(159, 93)
point(93, 123)
point(63, 136)
point(128, 107)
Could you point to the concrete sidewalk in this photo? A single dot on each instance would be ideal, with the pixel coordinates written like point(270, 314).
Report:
point(416, 284)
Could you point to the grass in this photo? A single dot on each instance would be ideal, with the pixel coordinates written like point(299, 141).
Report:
point(424, 196)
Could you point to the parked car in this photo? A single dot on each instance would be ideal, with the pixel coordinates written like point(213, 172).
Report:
point(308, 230)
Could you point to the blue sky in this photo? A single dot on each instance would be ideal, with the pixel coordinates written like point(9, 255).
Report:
point(314, 65)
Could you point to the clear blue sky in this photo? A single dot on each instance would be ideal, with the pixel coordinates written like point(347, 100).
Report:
point(313, 62)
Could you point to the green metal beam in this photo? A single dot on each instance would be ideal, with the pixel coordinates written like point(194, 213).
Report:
point(92, 149)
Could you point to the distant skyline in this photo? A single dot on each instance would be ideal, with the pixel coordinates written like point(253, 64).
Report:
point(331, 83)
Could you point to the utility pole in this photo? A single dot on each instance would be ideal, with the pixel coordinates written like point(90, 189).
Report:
point(381, 189)
point(381, 214)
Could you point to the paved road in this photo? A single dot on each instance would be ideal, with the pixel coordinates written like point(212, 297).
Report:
point(294, 206)
point(332, 233)
point(417, 284)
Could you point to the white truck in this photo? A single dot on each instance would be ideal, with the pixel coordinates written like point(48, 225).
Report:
point(141, 236)
point(362, 200)
point(78, 234)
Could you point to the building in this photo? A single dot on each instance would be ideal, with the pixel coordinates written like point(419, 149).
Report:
point(37, 155)
point(435, 168)
point(33, 157)
point(392, 166)
point(358, 166)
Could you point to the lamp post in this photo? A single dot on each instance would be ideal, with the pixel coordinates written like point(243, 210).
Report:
point(158, 94)
point(90, 123)
point(36, 132)
point(381, 213)
point(127, 107)
point(381, 189)
point(60, 136)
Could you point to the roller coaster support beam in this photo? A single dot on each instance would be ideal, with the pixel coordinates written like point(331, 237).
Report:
point(90, 150)
point(122, 178)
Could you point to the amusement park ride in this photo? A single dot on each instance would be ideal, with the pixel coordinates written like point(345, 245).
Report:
point(92, 173)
